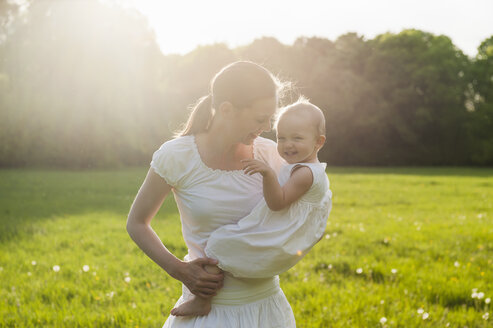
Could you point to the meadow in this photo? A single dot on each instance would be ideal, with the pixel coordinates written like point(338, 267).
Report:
point(404, 247)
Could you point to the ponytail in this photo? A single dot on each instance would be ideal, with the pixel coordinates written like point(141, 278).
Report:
point(200, 118)
point(240, 83)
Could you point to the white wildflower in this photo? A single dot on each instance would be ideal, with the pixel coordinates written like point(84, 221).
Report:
point(456, 264)
point(127, 279)
point(488, 300)
point(486, 316)
point(383, 320)
point(420, 311)
point(33, 263)
point(425, 315)
point(56, 268)
point(394, 271)
point(359, 270)
point(85, 268)
point(480, 295)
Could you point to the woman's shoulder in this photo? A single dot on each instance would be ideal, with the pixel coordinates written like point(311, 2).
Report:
point(266, 150)
point(174, 158)
point(179, 150)
point(264, 146)
point(181, 143)
point(264, 142)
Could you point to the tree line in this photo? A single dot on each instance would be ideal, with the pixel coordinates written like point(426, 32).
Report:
point(84, 84)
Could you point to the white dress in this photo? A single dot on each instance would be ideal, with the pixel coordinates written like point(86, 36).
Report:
point(266, 243)
point(208, 199)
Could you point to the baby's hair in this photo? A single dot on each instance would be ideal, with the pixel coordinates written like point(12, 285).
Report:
point(303, 106)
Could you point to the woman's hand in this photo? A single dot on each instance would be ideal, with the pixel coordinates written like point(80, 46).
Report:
point(198, 280)
point(144, 208)
point(252, 166)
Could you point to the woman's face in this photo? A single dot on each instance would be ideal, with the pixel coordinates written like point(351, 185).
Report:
point(250, 122)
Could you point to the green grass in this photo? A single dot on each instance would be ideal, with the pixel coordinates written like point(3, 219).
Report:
point(434, 226)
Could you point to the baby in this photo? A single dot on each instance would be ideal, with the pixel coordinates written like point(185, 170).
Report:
point(290, 219)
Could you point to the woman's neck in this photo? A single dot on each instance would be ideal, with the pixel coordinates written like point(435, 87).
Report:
point(218, 151)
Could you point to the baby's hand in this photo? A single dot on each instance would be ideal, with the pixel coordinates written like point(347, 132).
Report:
point(252, 166)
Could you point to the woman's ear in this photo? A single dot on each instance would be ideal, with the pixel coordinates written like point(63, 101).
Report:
point(225, 108)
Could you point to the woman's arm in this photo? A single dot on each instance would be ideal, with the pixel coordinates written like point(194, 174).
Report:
point(145, 206)
point(277, 197)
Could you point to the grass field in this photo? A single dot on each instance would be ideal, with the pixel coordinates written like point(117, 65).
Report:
point(404, 248)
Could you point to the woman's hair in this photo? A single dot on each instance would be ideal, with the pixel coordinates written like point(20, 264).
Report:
point(304, 107)
point(240, 83)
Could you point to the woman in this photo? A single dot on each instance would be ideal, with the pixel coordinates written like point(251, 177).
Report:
point(203, 168)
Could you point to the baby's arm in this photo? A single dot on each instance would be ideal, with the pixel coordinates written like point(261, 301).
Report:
point(277, 197)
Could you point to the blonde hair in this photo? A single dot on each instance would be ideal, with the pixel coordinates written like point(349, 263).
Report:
point(240, 83)
point(303, 105)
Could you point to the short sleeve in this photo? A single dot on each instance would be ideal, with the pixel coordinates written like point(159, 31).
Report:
point(266, 150)
point(320, 187)
point(173, 159)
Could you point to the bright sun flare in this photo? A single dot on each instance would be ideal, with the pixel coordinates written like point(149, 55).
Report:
point(181, 26)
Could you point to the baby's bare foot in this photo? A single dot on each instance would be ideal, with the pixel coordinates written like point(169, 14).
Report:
point(195, 307)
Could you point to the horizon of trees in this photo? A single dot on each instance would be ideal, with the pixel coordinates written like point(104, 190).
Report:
point(84, 84)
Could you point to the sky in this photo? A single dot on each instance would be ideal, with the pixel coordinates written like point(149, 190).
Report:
point(180, 26)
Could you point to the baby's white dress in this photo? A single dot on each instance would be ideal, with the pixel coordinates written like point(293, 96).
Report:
point(208, 199)
point(266, 243)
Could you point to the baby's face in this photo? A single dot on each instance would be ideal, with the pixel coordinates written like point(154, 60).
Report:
point(297, 138)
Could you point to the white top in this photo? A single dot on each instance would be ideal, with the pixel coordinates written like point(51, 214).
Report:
point(266, 243)
point(209, 198)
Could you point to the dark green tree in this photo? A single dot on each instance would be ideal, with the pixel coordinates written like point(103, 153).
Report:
point(480, 105)
point(419, 79)
point(84, 84)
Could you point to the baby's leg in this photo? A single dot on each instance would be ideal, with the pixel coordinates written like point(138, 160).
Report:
point(197, 305)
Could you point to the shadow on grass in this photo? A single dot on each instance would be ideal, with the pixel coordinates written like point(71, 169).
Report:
point(29, 196)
